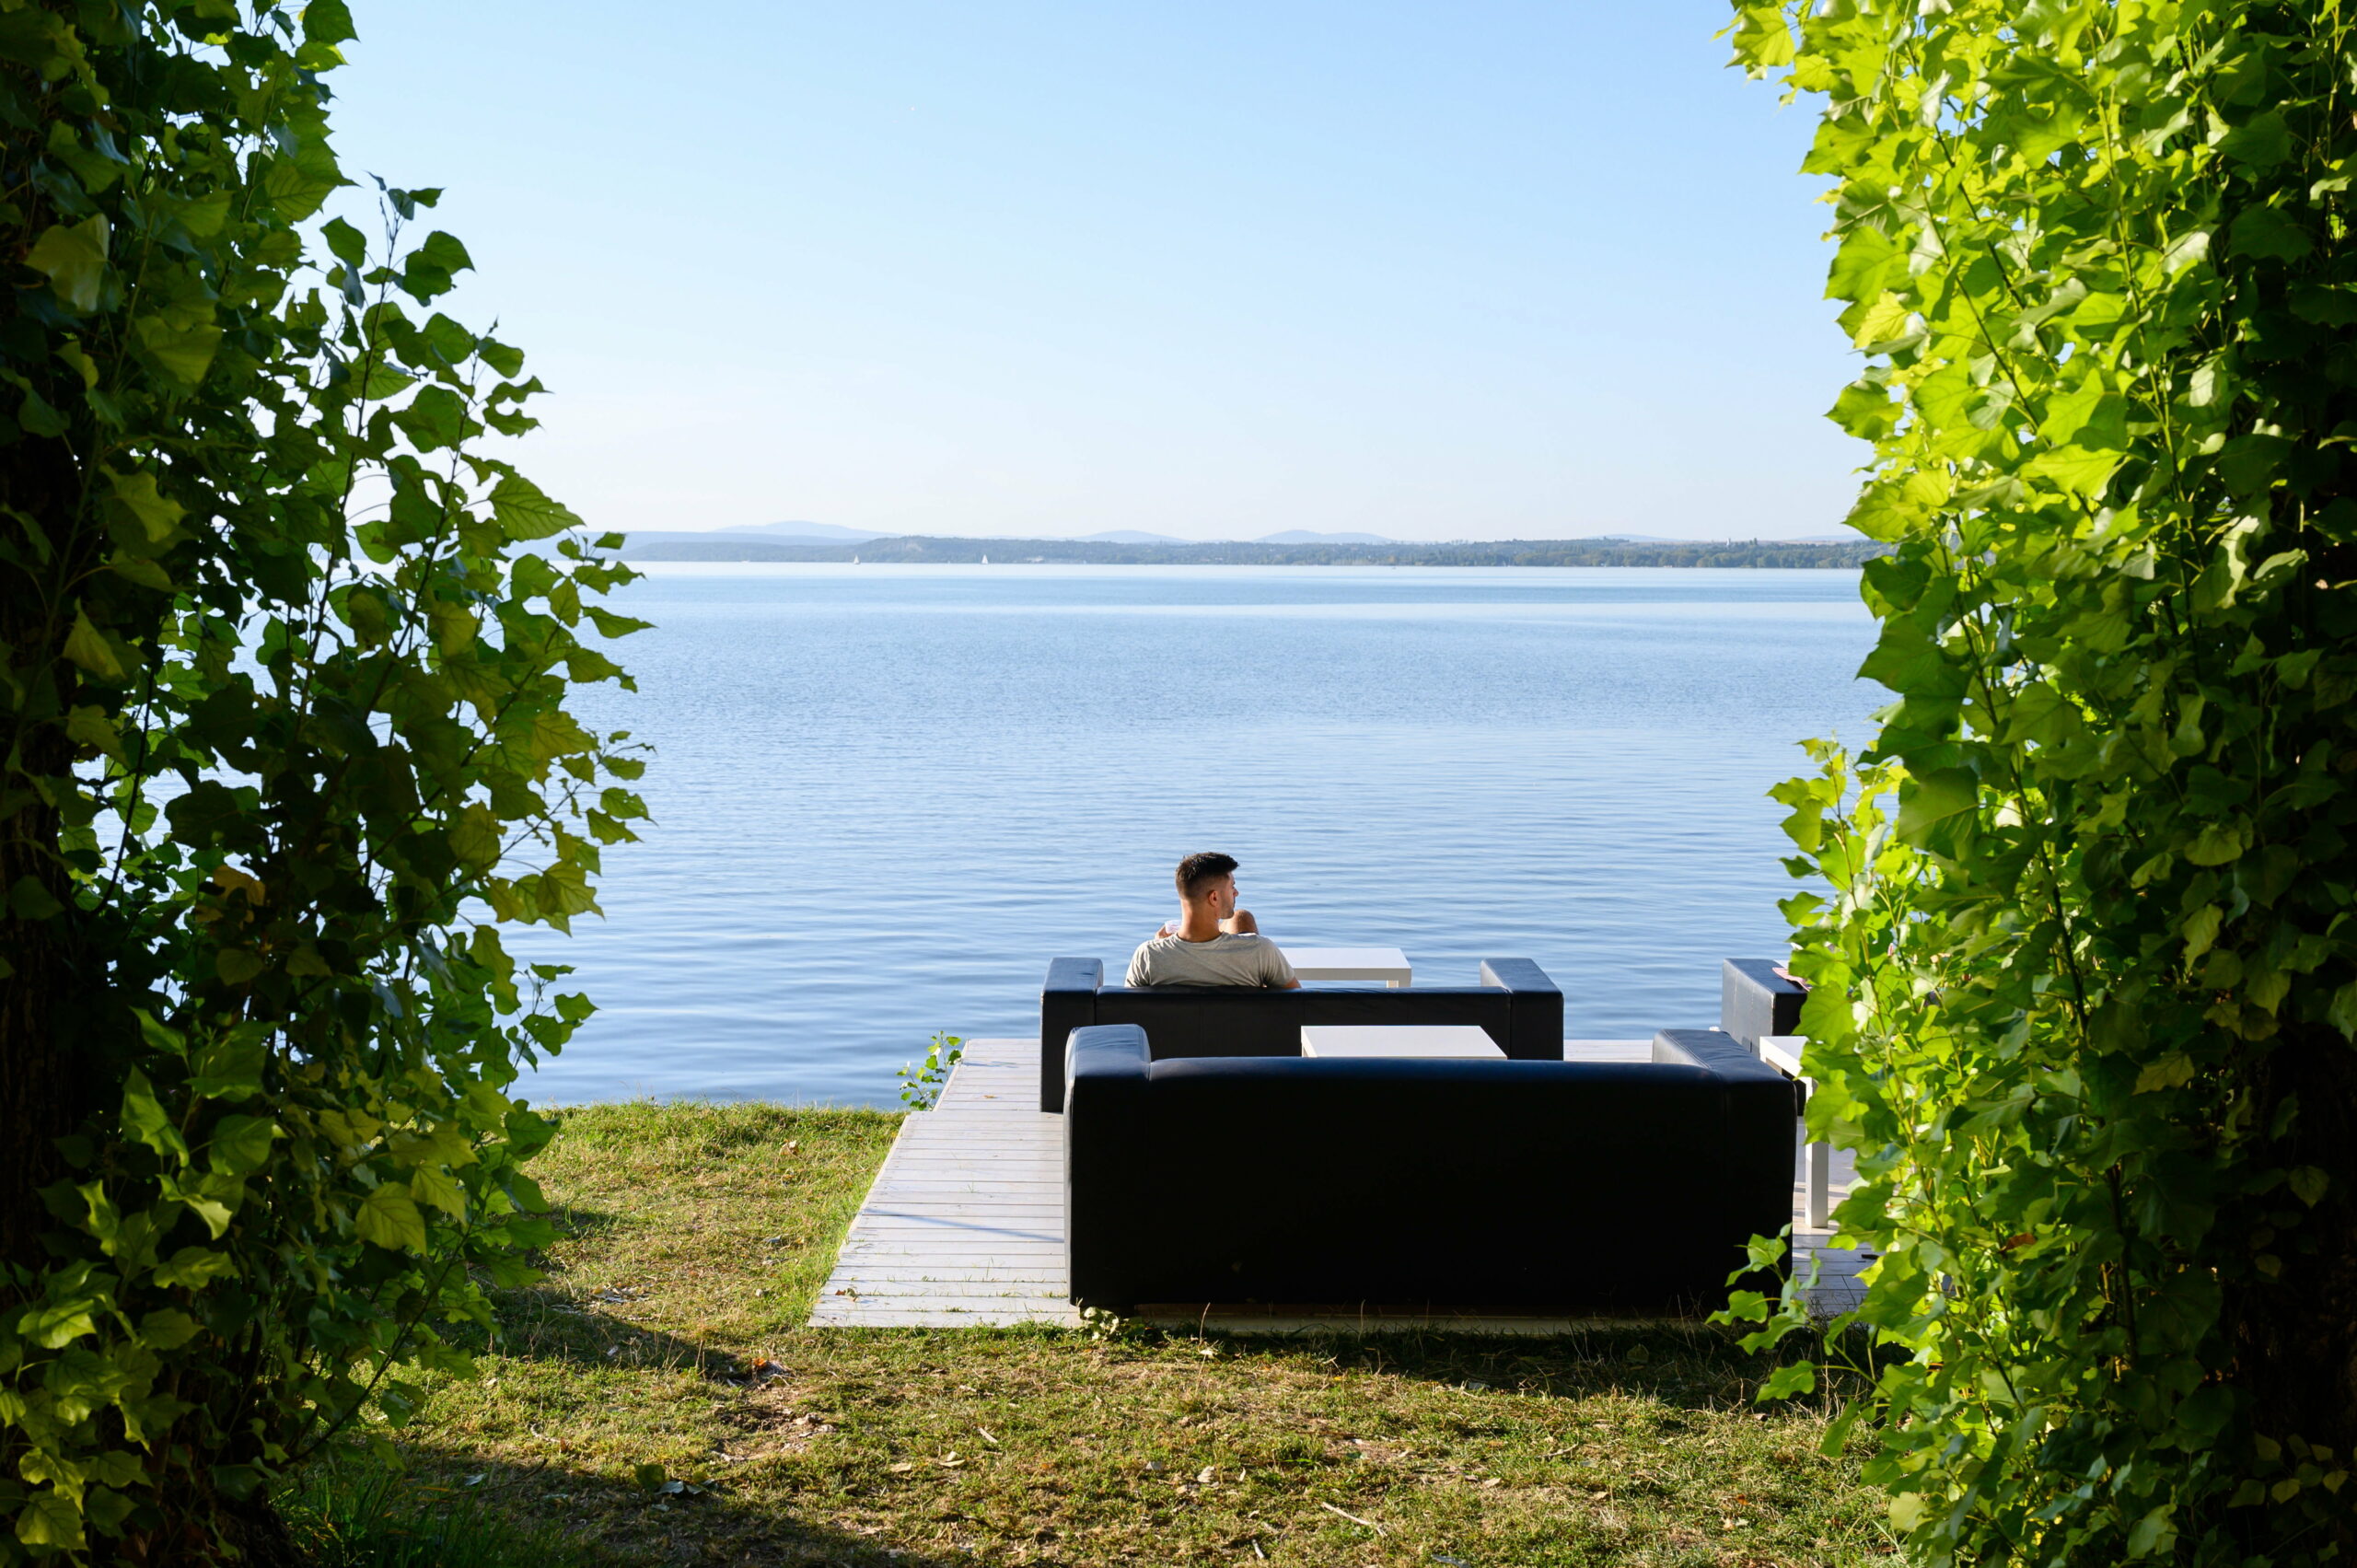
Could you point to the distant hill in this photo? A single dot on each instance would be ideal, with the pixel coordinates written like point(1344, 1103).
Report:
point(917, 548)
point(1129, 536)
point(1304, 536)
point(803, 530)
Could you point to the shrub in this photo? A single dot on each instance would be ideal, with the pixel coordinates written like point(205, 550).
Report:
point(285, 696)
point(2084, 986)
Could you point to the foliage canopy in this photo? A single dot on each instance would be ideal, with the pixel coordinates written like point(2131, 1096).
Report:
point(2086, 983)
point(284, 690)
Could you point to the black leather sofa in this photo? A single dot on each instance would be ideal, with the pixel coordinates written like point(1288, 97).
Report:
point(1515, 1003)
point(1448, 1183)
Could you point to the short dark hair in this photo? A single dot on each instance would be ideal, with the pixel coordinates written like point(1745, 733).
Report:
point(1197, 869)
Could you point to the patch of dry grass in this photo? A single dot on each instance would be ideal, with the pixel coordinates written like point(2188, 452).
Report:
point(667, 1345)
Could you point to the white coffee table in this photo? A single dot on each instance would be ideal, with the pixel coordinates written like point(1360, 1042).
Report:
point(1401, 1041)
point(1783, 1054)
point(1389, 965)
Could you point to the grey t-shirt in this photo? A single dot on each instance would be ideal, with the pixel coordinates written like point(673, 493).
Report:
point(1226, 959)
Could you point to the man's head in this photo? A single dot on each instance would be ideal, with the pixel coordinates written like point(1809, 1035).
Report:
point(1208, 879)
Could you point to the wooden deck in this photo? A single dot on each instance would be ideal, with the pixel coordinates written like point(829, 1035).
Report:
point(965, 1223)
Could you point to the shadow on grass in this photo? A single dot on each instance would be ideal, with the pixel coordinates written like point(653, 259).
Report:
point(1695, 1367)
point(450, 1510)
point(583, 1328)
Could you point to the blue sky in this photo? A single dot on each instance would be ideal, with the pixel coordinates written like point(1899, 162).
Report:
point(1469, 271)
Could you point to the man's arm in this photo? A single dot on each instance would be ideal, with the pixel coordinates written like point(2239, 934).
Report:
point(1278, 973)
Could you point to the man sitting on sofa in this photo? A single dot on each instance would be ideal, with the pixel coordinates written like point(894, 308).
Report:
point(1212, 942)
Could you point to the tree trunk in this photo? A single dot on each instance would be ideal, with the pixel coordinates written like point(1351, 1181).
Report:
point(2295, 1339)
point(46, 1085)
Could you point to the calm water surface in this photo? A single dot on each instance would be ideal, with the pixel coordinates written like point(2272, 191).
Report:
point(885, 797)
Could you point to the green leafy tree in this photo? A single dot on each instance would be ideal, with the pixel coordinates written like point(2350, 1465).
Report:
point(285, 740)
point(2086, 982)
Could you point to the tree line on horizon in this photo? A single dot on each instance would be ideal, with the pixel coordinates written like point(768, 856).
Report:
point(926, 550)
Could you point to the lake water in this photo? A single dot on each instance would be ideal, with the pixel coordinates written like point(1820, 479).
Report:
point(885, 797)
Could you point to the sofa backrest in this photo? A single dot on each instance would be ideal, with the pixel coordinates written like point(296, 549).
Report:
point(1516, 1004)
point(1228, 1021)
point(1402, 1180)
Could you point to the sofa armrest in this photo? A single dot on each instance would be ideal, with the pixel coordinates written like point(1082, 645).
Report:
point(1106, 1145)
point(1756, 1142)
point(1716, 1051)
point(1067, 1002)
point(1534, 1009)
point(1107, 1053)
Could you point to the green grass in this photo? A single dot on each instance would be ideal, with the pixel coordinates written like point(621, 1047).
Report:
point(362, 1516)
point(667, 1345)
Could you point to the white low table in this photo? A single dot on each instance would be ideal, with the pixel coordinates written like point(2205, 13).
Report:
point(1783, 1054)
point(1401, 1040)
point(1389, 965)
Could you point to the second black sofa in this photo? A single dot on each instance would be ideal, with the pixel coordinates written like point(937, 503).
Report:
point(1547, 1186)
point(1515, 1003)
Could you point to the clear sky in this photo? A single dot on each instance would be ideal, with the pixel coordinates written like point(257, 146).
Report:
point(1478, 270)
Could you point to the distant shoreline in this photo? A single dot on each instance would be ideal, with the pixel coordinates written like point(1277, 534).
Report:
point(924, 550)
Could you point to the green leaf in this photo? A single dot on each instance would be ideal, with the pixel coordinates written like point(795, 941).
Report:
point(444, 252)
point(49, 1519)
point(182, 352)
point(192, 1268)
point(92, 727)
point(2216, 843)
point(346, 243)
point(2199, 930)
point(475, 836)
point(1785, 1382)
point(168, 1329)
point(86, 647)
point(1926, 802)
point(433, 419)
point(212, 1210)
point(240, 1144)
point(2090, 414)
point(611, 625)
point(2262, 142)
point(438, 1188)
point(505, 361)
point(230, 1065)
point(238, 966)
point(2342, 1012)
point(76, 260)
point(2074, 470)
point(145, 1117)
point(524, 512)
point(159, 515)
point(2152, 1534)
point(1865, 261)
point(2266, 232)
point(299, 181)
point(328, 22)
point(1865, 411)
point(1761, 40)
point(2168, 1072)
point(29, 899)
point(388, 1218)
point(2309, 1184)
point(56, 1325)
